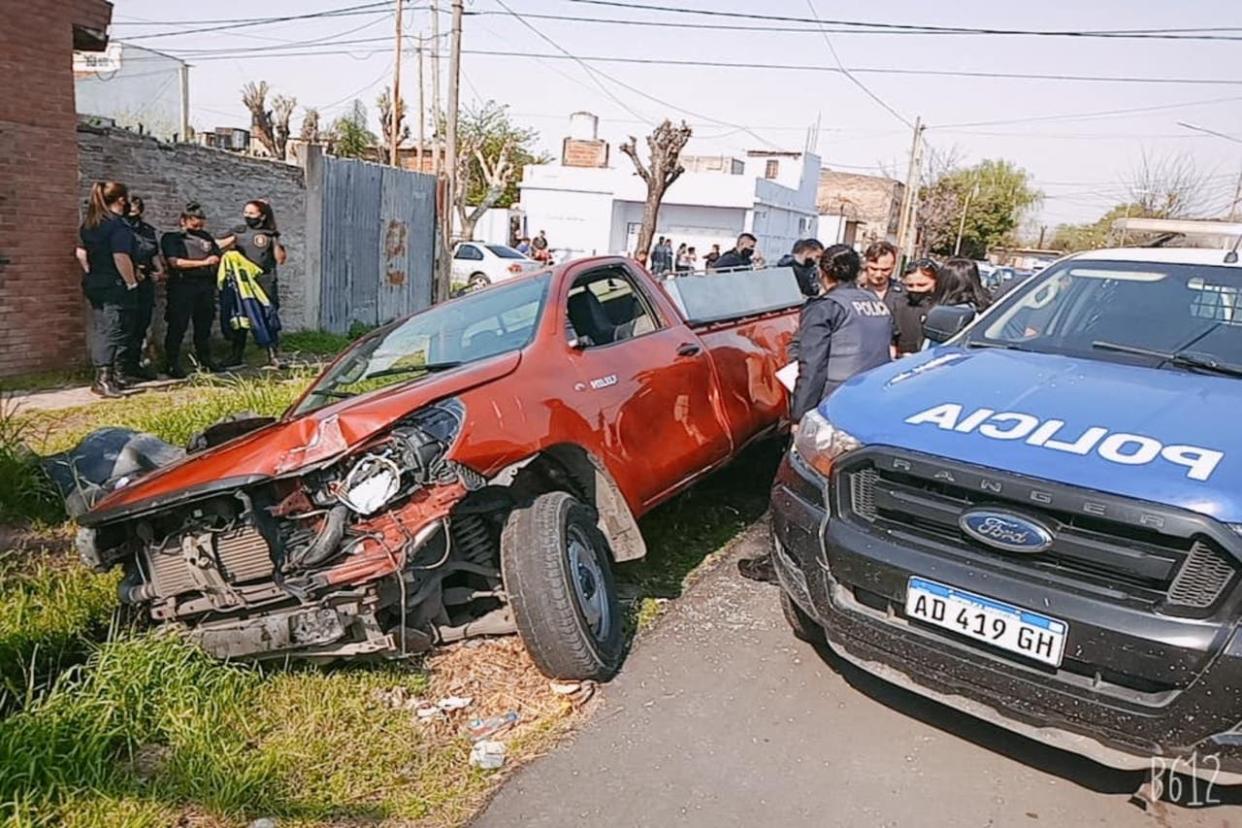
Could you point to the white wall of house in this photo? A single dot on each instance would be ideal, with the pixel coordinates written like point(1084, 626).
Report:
point(591, 211)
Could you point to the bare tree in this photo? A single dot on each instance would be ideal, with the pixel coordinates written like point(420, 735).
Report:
point(1167, 186)
point(664, 146)
point(384, 103)
point(282, 111)
point(271, 131)
point(310, 127)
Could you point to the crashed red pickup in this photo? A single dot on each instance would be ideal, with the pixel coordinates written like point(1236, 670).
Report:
point(473, 469)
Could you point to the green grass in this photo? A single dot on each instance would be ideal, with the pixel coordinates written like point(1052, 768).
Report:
point(314, 343)
point(51, 614)
point(683, 532)
point(144, 731)
point(26, 494)
point(173, 416)
point(48, 380)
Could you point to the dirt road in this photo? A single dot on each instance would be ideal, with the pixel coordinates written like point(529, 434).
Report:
point(720, 717)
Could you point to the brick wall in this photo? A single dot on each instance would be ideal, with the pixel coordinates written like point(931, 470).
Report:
point(874, 201)
point(169, 175)
point(41, 309)
point(579, 153)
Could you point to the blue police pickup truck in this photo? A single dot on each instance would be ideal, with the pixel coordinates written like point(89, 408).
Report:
point(1038, 521)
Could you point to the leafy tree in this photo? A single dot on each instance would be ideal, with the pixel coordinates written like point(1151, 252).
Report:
point(350, 136)
point(491, 152)
point(664, 146)
point(986, 202)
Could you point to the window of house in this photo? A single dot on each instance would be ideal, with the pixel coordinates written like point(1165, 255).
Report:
point(605, 307)
point(772, 169)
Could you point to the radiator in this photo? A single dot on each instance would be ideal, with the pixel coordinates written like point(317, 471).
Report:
point(239, 555)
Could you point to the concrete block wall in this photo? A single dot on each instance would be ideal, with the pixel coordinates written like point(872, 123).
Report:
point(169, 175)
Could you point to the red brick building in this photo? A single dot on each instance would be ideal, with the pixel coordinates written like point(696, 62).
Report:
point(42, 321)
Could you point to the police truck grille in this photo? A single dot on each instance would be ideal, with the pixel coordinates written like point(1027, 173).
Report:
point(1202, 578)
point(1125, 551)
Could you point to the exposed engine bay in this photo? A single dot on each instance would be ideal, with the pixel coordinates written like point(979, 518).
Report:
point(385, 552)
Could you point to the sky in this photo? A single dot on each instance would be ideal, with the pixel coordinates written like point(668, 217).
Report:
point(1080, 163)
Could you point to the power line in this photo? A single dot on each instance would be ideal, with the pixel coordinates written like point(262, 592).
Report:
point(622, 84)
point(566, 53)
point(869, 70)
point(848, 74)
point(873, 70)
point(1201, 33)
point(1082, 116)
point(348, 11)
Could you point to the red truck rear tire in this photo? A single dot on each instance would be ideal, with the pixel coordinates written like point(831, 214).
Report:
point(555, 563)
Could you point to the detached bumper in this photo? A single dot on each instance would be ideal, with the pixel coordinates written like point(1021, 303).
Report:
point(853, 583)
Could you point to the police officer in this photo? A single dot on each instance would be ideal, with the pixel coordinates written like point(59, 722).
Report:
point(106, 254)
point(149, 267)
point(804, 261)
point(842, 332)
point(259, 241)
point(192, 256)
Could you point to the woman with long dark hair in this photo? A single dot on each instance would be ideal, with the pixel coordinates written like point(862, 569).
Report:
point(258, 239)
point(958, 283)
point(106, 255)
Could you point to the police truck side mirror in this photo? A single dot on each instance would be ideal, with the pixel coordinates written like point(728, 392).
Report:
point(946, 321)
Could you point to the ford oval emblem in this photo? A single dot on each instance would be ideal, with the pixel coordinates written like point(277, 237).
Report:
point(1006, 531)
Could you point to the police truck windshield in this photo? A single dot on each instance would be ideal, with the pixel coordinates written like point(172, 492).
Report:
point(1176, 316)
point(473, 327)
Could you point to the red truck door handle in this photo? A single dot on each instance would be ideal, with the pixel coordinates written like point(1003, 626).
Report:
point(687, 349)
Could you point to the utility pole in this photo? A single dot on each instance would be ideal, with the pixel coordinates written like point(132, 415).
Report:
point(184, 71)
point(394, 105)
point(450, 148)
point(422, 110)
point(435, 86)
point(909, 199)
point(961, 225)
point(1043, 230)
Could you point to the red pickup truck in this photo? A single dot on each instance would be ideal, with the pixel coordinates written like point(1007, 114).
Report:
point(473, 469)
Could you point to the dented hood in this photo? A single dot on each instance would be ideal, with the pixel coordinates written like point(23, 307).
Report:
point(293, 444)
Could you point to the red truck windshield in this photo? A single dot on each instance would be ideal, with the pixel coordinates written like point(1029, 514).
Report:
point(467, 329)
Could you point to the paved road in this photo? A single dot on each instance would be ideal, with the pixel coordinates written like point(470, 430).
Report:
point(722, 718)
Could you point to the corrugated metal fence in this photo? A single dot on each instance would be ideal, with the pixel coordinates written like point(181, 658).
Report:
point(376, 228)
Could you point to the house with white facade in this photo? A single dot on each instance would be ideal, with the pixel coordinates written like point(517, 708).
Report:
point(598, 209)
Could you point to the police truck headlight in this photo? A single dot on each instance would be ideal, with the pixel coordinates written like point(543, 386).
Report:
point(819, 443)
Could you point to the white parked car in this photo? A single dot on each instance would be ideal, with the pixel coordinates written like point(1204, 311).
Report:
point(477, 265)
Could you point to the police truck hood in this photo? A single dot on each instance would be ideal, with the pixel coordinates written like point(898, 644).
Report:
point(1165, 436)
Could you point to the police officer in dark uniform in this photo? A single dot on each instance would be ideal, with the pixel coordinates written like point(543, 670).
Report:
point(842, 332)
point(193, 257)
point(149, 267)
point(259, 241)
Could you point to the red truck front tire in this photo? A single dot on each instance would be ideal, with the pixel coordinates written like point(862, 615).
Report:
point(556, 568)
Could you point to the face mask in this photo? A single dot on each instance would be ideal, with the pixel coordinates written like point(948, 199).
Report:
point(917, 299)
point(253, 221)
point(746, 254)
